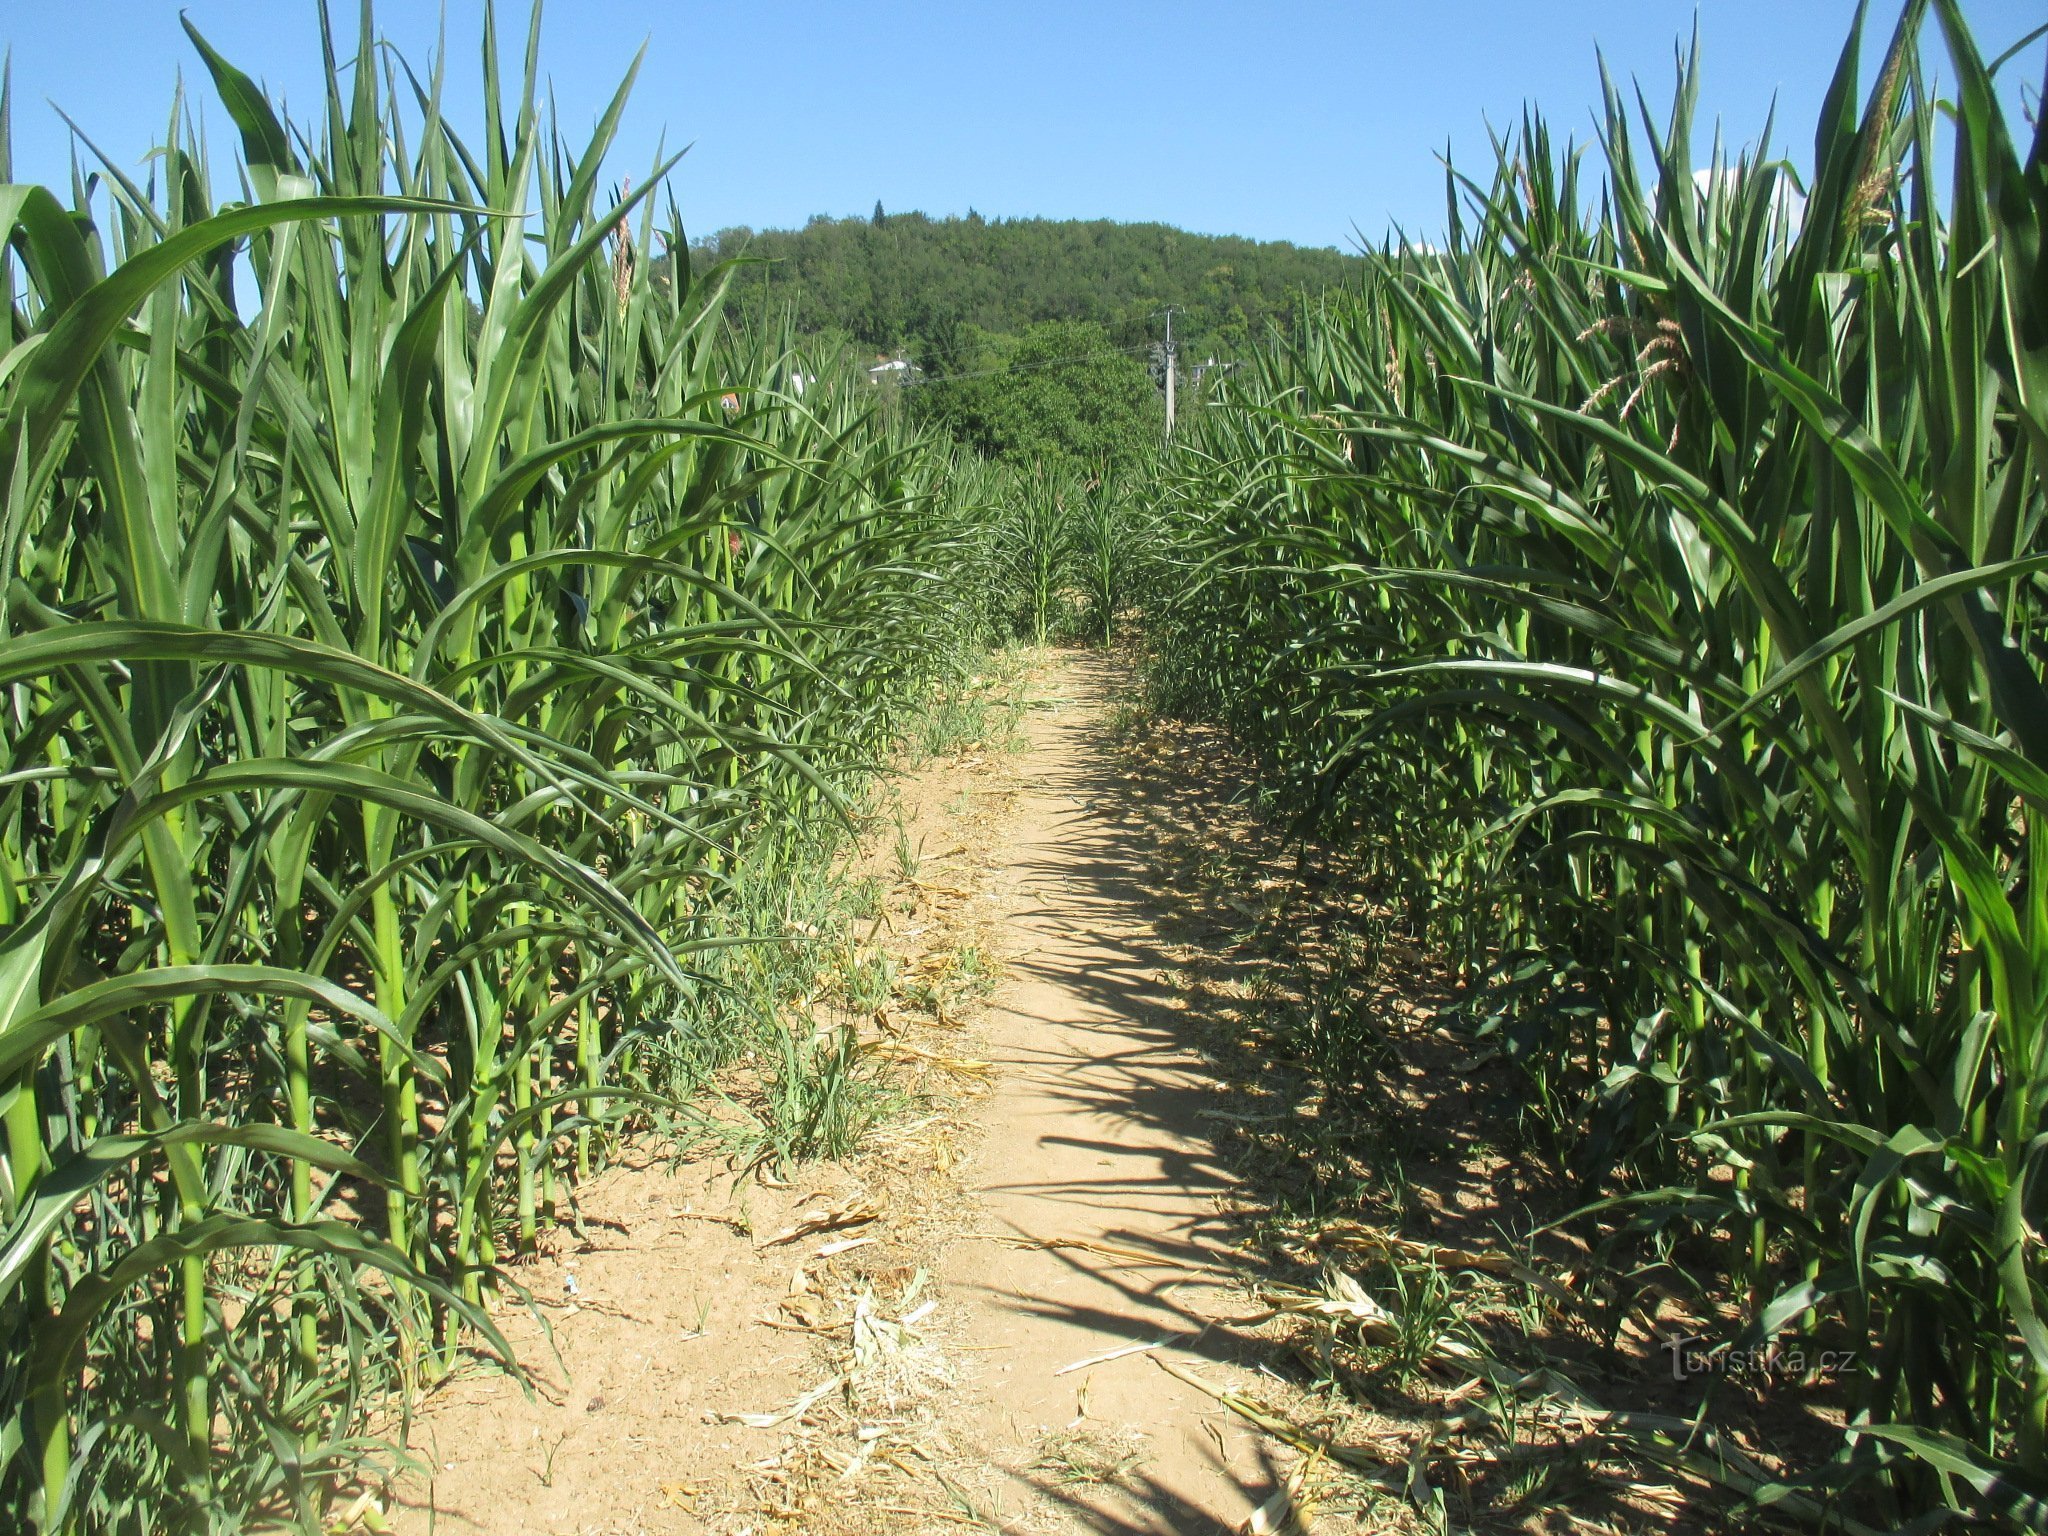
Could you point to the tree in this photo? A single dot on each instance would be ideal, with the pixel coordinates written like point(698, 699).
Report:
point(877, 219)
point(878, 278)
point(1063, 394)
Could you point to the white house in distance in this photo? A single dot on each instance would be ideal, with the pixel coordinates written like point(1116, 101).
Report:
point(893, 370)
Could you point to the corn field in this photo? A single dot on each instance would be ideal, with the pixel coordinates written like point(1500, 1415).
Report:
point(439, 645)
point(1649, 583)
point(424, 620)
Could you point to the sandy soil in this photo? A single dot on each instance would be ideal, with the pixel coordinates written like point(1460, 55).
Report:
point(1094, 1153)
point(1098, 1267)
point(926, 1352)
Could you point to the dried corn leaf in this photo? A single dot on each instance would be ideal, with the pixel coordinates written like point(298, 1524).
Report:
point(1288, 1511)
point(852, 1214)
point(1356, 1235)
point(1114, 1354)
point(796, 1409)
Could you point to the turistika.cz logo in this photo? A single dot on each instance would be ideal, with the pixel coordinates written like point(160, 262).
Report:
point(1793, 1358)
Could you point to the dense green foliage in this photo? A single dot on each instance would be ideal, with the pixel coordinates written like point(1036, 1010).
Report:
point(1658, 599)
point(424, 671)
point(1035, 339)
point(1051, 557)
point(437, 643)
point(1058, 394)
point(939, 287)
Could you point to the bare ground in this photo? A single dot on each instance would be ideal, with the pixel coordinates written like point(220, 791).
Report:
point(1069, 1206)
point(1042, 1296)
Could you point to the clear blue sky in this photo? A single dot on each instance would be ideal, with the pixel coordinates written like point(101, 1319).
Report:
point(1281, 120)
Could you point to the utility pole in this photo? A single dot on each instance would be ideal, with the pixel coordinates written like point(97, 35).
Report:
point(1171, 369)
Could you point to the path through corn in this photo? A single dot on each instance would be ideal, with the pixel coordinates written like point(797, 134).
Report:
point(1062, 1230)
point(1094, 1149)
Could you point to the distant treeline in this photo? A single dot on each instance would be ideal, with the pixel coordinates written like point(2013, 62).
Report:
point(941, 289)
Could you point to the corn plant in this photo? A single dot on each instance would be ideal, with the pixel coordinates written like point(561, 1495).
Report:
point(1650, 582)
point(422, 615)
point(1102, 549)
point(1036, 545)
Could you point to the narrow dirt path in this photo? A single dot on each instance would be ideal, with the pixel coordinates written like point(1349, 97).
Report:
point(1036, 1234)
point(1095, 1155)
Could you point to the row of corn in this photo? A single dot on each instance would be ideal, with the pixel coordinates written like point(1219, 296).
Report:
point(1651, 582)
point(423, 615)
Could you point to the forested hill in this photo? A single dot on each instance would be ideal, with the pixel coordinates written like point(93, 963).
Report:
point(939, 288)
